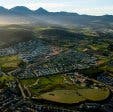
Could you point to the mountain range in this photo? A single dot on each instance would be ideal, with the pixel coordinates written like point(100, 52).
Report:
point(25, 10)
point(21, 14)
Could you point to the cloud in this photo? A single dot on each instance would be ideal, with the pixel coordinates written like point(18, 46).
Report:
point(94, 11)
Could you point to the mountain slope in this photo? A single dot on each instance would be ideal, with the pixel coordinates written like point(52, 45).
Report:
point(13, 35)
point(3, 10)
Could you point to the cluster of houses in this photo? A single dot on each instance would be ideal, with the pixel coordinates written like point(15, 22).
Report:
point(27, 51)
point(7, 51)
point(64, 62)
point(7, 99)
point(105, 78)
point(31, 49)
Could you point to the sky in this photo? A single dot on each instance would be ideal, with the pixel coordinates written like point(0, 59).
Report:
point(91, 7)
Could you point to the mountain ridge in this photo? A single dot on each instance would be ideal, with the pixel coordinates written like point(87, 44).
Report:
point(26, 10)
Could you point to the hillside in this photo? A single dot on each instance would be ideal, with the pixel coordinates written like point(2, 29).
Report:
point(59, 34)
point(10, 36)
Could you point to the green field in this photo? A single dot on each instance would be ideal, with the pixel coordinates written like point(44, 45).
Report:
point(97, 94)
point(63, 96)
point(8, 63)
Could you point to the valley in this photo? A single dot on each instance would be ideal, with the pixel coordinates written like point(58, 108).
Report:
point(55, 69)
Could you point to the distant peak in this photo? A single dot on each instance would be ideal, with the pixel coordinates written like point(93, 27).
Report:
point(2, 8)
point(20, 9)
point(41, 11)
point(41, 8)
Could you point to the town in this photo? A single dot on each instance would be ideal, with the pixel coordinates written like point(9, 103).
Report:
point(48, 74)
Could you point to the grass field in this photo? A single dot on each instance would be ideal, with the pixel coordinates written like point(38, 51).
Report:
point(8, 63)
point(95, 94)
point(63, 96)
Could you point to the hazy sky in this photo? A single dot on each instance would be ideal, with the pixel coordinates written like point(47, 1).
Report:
point(92, 7)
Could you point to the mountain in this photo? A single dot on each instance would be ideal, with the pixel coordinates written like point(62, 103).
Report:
point(41, 11)
point(20, 10)
point(3, 10)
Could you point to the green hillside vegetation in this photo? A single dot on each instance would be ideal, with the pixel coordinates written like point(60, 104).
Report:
point(8, 63)
point(5, 80)
point(43, 84)
point(57, 34)
point(14, 35)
